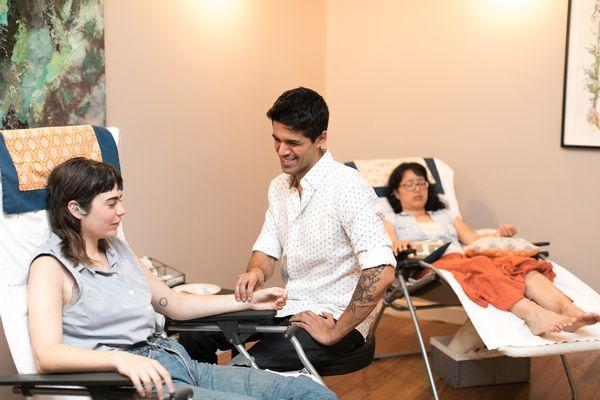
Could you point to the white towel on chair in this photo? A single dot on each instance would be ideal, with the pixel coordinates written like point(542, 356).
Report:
point(501, 328)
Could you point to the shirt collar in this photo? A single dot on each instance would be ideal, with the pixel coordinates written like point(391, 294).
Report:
point(407, 214)
point(111, 256)
point(315, 176)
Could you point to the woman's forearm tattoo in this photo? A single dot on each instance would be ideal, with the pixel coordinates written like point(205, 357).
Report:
point(163, 301)
point(364, 295)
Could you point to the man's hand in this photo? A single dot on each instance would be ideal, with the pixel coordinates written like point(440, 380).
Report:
point(269, 299)
point(247, 283)
point(320, 327)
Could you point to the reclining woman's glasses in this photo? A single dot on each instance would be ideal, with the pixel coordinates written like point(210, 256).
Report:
point(412, 185)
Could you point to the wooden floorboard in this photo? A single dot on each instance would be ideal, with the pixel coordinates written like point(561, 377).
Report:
point(405, 378)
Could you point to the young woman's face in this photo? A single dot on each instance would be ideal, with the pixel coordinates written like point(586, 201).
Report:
point(104, 215)
point(412, 191)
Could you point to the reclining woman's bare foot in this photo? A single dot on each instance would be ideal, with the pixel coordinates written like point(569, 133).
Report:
point(539, 320)
point(544, 321)
point(582, 318)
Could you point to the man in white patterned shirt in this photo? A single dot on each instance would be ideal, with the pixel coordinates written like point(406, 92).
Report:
point(324, 226)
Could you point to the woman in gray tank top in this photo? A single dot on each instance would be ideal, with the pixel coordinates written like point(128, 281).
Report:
point(92, 303)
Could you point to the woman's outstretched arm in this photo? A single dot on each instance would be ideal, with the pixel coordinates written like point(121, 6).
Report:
point(50, 288)
point(467, 235)
point(183, 306)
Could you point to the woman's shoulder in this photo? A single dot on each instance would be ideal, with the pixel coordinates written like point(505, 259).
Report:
point(45, 260)
point(50, 248)
point(47, 265)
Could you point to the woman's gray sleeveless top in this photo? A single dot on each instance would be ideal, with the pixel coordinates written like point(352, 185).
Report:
point(108, 309)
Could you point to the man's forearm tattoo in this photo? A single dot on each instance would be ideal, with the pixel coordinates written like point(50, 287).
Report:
point(163, 301)
point(364, 294)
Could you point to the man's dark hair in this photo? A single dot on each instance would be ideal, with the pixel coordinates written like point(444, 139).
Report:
point(78, 179)
point(433, 201)
point(302, 110)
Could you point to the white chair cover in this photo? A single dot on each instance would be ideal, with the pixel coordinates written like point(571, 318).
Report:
point(20, 235)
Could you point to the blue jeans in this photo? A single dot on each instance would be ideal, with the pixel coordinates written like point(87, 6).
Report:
point(210, 381)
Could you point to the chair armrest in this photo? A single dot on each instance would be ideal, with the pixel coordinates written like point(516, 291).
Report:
point(542, 254)
point(86, 379)
point(403, 259)
point(541, 244)
point(248, 315)
point(98, 384)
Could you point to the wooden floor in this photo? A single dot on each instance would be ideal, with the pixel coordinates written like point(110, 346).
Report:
point(405, 378)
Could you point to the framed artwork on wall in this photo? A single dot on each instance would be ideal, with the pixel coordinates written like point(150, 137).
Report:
point(51, 63)
point(581, 95)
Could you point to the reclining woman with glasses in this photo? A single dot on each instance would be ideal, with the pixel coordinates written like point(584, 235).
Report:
point(521, 285)
point(92, 303)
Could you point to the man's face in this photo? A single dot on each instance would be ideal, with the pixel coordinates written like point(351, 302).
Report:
point(297, 153)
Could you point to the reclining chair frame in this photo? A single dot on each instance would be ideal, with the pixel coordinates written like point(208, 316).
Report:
point(433, 285)
point(238, 326)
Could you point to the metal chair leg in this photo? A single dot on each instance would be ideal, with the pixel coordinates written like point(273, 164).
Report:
point(563, 358)
point(244, 353)
point(305, 361)
point(413, 314)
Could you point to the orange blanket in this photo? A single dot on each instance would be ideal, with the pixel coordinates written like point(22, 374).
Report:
point(496, 281)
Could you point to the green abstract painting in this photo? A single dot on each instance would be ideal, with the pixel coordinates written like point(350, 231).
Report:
point(51, 63)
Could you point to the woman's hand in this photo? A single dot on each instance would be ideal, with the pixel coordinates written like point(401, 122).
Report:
point(401, 245)
point(144, 373)
point(507, 230)
point(273, 298)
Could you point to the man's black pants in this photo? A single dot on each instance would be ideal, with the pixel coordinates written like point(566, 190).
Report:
point(272, 351)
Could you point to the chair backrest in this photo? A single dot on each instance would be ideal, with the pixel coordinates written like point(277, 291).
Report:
point(377, 172)
point(20, 235)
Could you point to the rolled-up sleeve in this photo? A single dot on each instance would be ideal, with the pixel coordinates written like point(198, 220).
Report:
point(268, 241)
point(362, 219)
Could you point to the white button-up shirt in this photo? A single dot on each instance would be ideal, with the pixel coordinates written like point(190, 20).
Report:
point(324, 238)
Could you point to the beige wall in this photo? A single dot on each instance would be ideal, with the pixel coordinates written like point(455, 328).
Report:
point(478, 84)
point(188, 84)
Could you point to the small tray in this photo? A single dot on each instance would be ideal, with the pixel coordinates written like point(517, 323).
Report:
point(169, 275)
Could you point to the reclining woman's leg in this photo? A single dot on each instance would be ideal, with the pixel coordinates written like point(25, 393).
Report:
point(541, 290)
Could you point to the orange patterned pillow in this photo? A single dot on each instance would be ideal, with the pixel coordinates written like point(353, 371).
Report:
point(500, 247)
point(35, 152)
